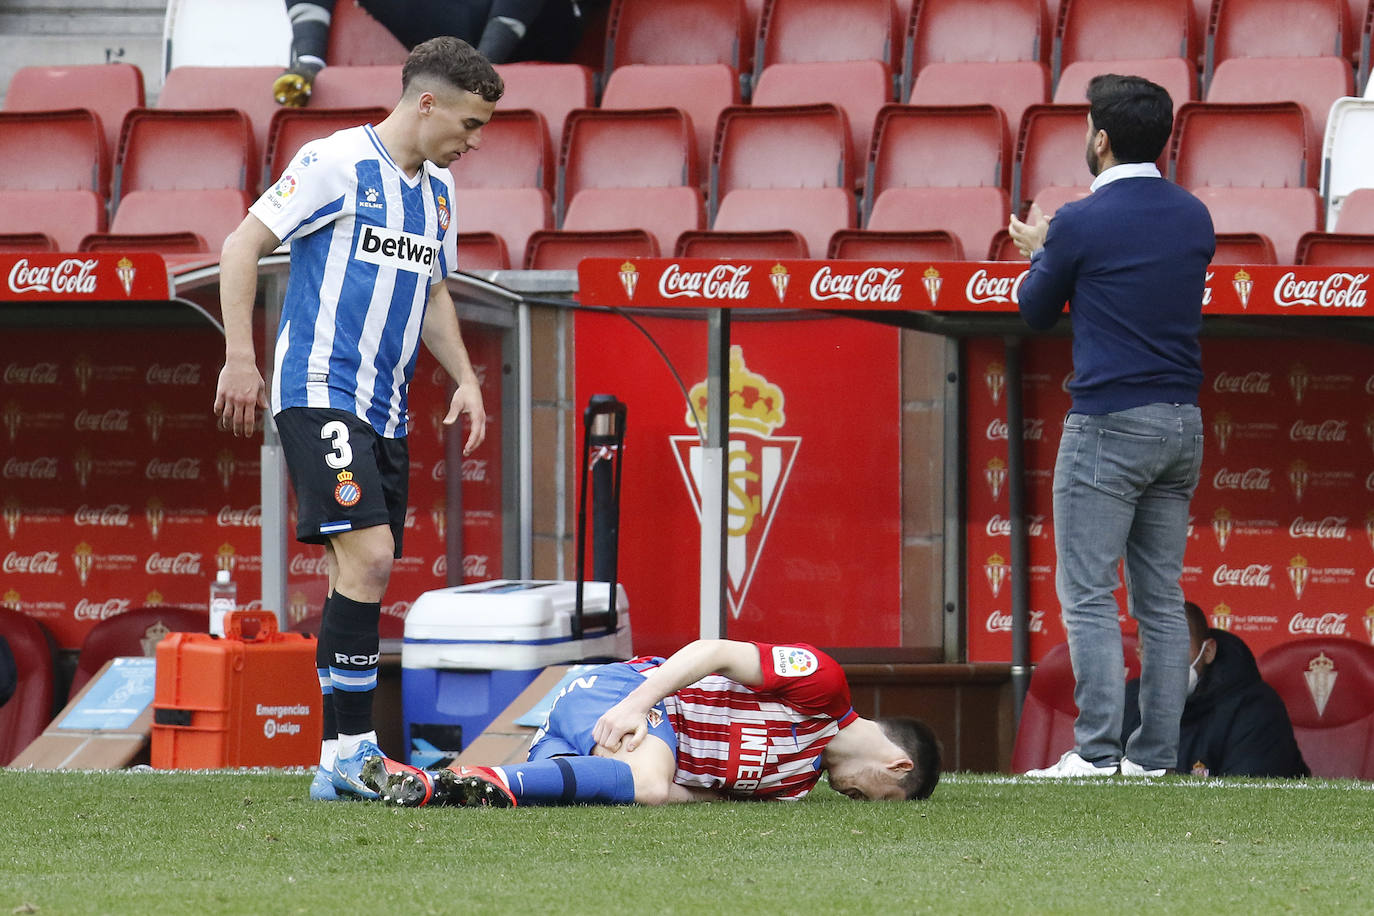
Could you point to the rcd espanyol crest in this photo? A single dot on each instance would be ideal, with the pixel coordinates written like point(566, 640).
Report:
point(759, 464)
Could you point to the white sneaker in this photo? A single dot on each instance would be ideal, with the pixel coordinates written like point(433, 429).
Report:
point(1129, 768)
point(1071, 765)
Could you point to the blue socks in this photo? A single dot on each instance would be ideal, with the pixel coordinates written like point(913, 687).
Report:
point(571, 781)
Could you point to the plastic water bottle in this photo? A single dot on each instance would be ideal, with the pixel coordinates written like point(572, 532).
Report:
point(224, 597)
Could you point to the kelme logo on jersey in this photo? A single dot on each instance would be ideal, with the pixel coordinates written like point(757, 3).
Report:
point(793, 661)
point(395, 249)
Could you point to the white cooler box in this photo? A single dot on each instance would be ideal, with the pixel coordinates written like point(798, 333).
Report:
point(470, 650)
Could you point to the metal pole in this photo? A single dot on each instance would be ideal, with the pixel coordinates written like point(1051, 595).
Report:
point(272, 484)
point(713, 475)
point(1016, 500)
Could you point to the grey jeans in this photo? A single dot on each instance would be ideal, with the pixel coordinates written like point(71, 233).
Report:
point(1122, 487)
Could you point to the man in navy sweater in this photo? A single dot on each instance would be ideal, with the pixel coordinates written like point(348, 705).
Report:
point(1130, 260)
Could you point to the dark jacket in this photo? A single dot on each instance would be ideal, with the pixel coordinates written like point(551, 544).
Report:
point(1234, 724)
point(9, 674)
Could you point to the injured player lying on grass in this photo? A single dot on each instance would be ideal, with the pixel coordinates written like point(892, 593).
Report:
point(719, 719)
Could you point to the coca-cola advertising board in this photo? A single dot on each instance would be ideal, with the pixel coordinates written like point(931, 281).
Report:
point(813, 494)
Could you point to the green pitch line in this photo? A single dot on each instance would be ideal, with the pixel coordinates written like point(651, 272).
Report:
point(136, 843)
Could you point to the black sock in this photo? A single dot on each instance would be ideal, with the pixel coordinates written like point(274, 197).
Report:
point(350, 643)
point(331, 722)
point(309, 30)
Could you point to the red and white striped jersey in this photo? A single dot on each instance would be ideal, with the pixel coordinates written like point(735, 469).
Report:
point(761, 742)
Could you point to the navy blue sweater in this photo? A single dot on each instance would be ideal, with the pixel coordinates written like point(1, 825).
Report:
point(1131, 261)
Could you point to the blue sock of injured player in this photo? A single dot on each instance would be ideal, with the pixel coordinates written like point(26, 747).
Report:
point(570, 781)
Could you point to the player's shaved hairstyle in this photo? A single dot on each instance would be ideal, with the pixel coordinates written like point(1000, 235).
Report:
point(919, 743)
point(1137, 115)
point(453, 61)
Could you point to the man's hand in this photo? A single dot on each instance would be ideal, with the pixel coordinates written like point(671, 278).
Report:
point(624, 722)
point(1029, 236)
point(468, 400)
point(238, 395)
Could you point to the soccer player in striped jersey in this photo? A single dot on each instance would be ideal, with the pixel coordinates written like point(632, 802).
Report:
point(369, 214)
point(719, 719)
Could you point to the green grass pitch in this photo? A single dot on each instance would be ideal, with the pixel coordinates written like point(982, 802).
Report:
point(251, 842)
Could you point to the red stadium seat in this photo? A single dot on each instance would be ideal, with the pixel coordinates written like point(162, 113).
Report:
point(155, 146)
point(1052, 198)
point(515, 153)
point(563, 249)
point(356, 39)
point(1346, 163)
point(804, 31)
point(108, 90)
point(1012, 86)
point(158, 242)
point(1313, 82)
point(1244, 248)
point(959, 31)
point(20, 242)
point(1357, 213)
point(211, 213)
point(1175, 74)
point(1336, 249)
point(938, 146)
point(972, 215)
point(798, 146)
point(510, 213)
point(248, 89)
point(1049, 152)
point(858, 88)
point(717, 245)
point(65, 216)
point(30, 709)
point(53, 150)
point(482, 251)
point(665, 213)
point(1327, 683)
point(632, 148)
point(878, 245)
point(135, 632)
point(682, 32)
point(1215, 144)
point(358, 86)
point(814, 213)
point(292, 128)
point(1046, 728)
point(1282, 214)
point(703, 91)
point(1274, 28)
point(553, 90)
point(1003, 248)
point(1123, 30)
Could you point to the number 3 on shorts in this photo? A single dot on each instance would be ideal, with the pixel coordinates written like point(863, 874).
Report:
point(337, 432)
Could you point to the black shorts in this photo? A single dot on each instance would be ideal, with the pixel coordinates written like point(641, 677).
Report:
point(345, 475)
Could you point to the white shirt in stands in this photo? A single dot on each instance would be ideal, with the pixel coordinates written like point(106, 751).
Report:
point(366, 243)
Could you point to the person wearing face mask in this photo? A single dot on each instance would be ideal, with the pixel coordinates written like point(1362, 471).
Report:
point(1233, 724)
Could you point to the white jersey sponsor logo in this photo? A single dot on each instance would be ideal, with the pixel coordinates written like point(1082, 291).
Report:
point(396, 249)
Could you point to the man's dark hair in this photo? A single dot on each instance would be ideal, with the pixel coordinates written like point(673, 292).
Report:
point(1197, 622)
point(455, 62)
point(1137, 115)
point(919, 743)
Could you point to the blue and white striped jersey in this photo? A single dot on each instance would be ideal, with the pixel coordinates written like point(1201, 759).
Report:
point(366, 243)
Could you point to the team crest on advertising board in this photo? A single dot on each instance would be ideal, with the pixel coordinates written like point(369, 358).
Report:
point(759, 464)
point(1321, 680)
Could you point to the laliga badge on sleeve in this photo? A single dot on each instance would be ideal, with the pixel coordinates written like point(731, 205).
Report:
point(793, 661)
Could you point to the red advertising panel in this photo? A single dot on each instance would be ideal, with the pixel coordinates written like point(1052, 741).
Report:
point(43, 277)
point(814, 498)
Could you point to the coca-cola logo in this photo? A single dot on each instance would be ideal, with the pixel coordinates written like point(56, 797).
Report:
point(182, 374)
point(1032, 429)
point(1332, 527)
point(229, 517)
point(475, 565)
point(185, 563)
point(33, 469)
point(100, 610)
point(1328, 624)
point(474, 470)
point(723, 281)
point(1255, 575)
point(440, 470)
point(1207, 289)
point(1369, 578)
point(180, 469)
point(110, 421)
point(876, 284)
point(71, 275)
point(439, 568)
point(397, 609)
point(37, 374)
point(1250, 383)
point(1001, 527)
point(301, 565)
point(41, 562)
point(1338, 290)
point(983, 289)
point(1249, 479)
point(1325, 431)
point(112, 516)
point(999, 622)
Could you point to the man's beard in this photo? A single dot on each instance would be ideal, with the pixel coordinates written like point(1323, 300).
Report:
point(1094, 162)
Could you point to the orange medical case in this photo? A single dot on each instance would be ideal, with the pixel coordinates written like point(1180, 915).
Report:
point(249, 699)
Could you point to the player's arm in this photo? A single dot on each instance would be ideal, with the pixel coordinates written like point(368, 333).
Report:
point(442, 336)
point(240, 391)
point(738, 661)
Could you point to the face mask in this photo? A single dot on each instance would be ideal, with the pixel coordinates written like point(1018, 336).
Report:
point(1193, 676)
